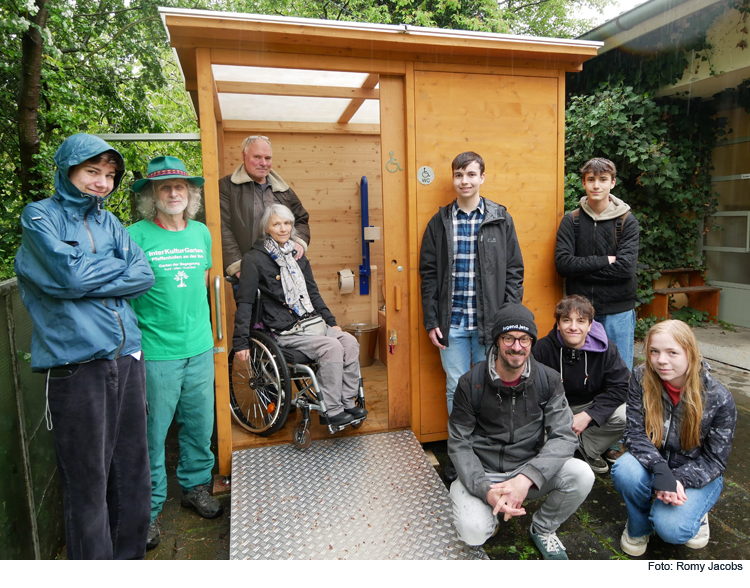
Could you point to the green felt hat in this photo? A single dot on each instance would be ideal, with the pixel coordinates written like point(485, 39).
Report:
point(165, 167)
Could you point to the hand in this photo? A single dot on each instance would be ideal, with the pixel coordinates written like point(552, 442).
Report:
point(336, 328)
point(580, 422)
point(677, 498)
point(498, 499)
point(299, 251)
point(237, 275)
point(436, 334)
point(612, 258)
point(509, 496)
point(243, 355)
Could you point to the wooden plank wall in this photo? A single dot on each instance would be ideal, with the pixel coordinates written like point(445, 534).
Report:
point(324, 170)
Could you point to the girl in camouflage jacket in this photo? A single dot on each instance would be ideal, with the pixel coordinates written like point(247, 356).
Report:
point(680, 426)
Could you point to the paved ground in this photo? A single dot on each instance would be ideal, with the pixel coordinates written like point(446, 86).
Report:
point(593, 533)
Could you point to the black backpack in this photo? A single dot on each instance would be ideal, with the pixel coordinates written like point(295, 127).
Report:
point(619, 223)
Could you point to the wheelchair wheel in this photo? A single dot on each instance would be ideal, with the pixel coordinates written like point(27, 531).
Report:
point(260, 388)
point(302, 437)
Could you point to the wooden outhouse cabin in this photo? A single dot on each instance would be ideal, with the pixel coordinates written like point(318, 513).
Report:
point(396, 104)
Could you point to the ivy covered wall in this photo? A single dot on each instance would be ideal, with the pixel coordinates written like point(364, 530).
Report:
point(662, 147)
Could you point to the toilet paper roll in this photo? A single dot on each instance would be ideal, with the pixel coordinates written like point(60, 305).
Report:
point(346, 281)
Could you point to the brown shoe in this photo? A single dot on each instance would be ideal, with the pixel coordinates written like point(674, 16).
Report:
point(612, 456)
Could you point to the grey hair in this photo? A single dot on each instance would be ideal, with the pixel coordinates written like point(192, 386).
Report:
point(283, 212)
point(252, 139)
point(147, 201)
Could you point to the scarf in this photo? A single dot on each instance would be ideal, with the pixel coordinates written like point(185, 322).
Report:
point(292, 280)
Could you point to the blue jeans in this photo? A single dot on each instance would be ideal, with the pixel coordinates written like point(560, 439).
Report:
point(674, 524)
point(182, 389)
point(620, 328)
point(462, 352)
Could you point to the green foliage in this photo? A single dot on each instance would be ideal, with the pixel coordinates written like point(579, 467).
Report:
point(727, 326)
point(107, 68)
point(551, 18)
point(642, 325)
point(528, 552)
point(662, 150)
point(691, 316)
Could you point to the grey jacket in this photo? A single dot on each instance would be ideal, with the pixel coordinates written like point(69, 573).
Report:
point(508, 431)
point(694, 468)
point(499, 273)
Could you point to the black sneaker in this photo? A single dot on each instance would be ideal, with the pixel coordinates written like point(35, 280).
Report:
point(153, 538)
point(200, 500)
point(356, 412)
point(450, 473)
point(343, 418)
point(597, 464)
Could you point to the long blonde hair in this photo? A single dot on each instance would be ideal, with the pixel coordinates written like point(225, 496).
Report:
point(691, 396)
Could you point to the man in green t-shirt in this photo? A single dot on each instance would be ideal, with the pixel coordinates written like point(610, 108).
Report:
point(177, 339)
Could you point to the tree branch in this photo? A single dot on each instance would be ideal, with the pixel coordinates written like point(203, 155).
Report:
point(108, 12)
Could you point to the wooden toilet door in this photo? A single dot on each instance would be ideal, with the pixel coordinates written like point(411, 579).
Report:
point(514, 122)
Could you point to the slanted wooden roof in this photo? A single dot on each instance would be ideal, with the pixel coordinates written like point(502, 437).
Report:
point(326, 72)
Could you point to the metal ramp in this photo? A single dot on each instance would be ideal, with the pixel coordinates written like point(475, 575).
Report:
point(365, 497)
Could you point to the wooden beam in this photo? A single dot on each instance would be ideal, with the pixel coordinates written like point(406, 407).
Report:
point(217, 106)
point(268, 126)
point(296, 90)
point(305, 61)
point(354, 105)
point(209, 152)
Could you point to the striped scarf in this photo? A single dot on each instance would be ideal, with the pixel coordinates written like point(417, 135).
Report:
point(292, 280)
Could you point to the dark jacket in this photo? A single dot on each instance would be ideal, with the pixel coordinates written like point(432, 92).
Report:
point(509, 429)
point(237, 199)
point(595, 373)
point(77, 267)
point(499, 269)
point(611, 288)
point(694, 468)
point(259, 271)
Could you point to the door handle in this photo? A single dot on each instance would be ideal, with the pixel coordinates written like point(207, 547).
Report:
point(217, 306)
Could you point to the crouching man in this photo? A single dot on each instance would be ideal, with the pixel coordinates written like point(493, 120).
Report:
point(593, 374)
point(511, 438)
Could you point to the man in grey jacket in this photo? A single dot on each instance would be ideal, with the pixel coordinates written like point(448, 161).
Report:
point(511, 438)
point(245, 194)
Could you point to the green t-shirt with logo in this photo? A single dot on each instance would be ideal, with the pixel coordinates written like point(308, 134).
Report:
point(174, 315)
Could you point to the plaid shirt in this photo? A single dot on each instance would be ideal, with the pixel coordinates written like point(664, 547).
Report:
point(464, 296)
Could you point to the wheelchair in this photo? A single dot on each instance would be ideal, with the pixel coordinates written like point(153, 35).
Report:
point(260, 389)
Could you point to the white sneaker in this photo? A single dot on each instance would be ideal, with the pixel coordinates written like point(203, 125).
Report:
point(634, 546)
point(701, 537)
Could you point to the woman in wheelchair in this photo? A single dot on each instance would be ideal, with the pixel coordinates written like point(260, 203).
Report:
point(295, 312)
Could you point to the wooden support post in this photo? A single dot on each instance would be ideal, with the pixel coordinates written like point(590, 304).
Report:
point(209, 150)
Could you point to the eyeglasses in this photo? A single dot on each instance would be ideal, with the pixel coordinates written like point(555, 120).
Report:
point(510, 340)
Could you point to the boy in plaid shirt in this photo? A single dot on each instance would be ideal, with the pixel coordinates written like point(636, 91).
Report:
point(471, 264)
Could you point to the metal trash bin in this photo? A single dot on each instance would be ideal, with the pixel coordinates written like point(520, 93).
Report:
point(367, 336)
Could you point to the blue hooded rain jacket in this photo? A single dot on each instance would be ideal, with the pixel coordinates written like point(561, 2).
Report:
point(76, 267)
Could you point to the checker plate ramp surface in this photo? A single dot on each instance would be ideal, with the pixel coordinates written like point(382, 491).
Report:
point(365, 497)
